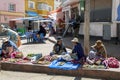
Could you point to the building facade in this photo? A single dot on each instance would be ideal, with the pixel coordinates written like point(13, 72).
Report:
point(103, 17)
point(11, 9)
point(38, 7)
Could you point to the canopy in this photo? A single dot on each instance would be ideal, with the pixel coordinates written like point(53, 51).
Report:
point(43, 21)
point(55, 11)
point(69, 2)
point(24, 18)
point(28, 18)
point(31, 13)
point(54, 14)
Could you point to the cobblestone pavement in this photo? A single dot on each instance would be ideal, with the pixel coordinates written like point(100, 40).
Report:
point(36, 48)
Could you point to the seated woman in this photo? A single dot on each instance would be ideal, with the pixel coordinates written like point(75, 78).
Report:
point(97, 54)
point(8, 48)
point(77, 54)
point(58, 48)
point(77, 51)
point(13, 36)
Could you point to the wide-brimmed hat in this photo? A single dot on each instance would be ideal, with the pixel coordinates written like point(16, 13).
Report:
point(75, 40)
point(98, 42)
point(5, 39)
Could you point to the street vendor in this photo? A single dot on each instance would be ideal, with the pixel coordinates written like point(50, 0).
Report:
point(59, 47)
point(77, 51)
point(14, 37)
point(8, 47)
point(77, 54)
point(97, 53)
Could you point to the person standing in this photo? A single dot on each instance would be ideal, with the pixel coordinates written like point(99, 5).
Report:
point(51, 29)
point(77, 26)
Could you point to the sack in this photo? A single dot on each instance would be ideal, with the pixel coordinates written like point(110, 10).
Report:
point(66, 57)
point(112, 62)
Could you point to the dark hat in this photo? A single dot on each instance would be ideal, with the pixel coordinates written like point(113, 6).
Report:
point(59, 38)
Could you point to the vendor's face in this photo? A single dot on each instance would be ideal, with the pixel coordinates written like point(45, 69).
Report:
point(10, 49)
point(60, 42)
point(74, 43)
point(98, 45)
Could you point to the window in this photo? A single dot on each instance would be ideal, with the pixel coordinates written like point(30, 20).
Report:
point(43, 6)
point(40, 6)
point(31, 4)
point(100, 11)
point(12, 7)
point(50, 8)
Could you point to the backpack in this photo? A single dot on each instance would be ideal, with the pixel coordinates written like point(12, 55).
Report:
point(112, 62)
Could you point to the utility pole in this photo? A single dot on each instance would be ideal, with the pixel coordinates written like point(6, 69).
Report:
point(86, 26)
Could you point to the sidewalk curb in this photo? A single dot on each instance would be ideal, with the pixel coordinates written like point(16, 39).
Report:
point(108, 74)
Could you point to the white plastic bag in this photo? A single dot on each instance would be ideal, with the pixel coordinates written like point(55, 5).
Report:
point(66, 57)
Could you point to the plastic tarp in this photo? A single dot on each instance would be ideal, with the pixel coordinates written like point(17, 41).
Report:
point(118, 12)
point(65, 66)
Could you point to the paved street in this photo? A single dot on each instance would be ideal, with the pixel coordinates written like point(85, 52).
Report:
point(8, 75)
point(36, 48)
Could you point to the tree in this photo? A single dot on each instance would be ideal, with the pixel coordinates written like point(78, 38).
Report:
point(86, 26)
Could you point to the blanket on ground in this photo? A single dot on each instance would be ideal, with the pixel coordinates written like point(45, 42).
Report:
point(63, 65)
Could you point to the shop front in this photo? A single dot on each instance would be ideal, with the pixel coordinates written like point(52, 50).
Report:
point(103, 17)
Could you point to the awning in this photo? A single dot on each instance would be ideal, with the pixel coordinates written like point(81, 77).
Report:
point(69, 2)
point(55, 11)
point(23, 18)
point(28, 18)
point(54, 14)
point(31, 13)
point(43, 21)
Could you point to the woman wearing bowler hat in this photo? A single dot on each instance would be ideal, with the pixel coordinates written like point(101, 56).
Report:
point(77, 51)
